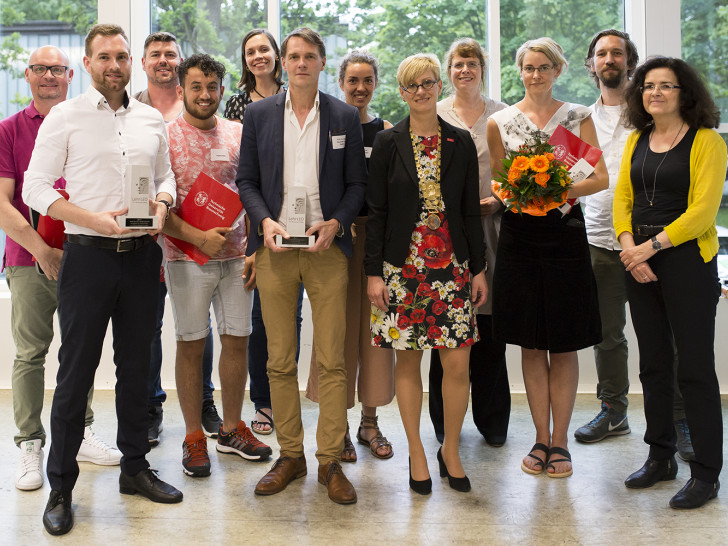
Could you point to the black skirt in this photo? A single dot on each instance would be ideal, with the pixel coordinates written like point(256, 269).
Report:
point(544, 292)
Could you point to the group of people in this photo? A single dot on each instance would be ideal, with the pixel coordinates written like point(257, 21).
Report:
point(409, 251)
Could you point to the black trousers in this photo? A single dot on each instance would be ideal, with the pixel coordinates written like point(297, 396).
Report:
point(678, 312)
point(490, 390)
point(97, 285)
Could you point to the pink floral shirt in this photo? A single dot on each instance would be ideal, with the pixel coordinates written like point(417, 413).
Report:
point(214, 152)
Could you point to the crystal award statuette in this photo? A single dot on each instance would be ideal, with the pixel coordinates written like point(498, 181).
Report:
point(296, 221)
point(136, 196)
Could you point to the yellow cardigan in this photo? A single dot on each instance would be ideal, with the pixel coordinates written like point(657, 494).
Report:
point(708, 159)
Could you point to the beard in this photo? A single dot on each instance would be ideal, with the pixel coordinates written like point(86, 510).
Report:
point(197, 112)
point(612, 80)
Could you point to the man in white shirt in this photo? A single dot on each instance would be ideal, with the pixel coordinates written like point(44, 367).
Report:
point(611, 59)
point(310, 143)
point(107, 273)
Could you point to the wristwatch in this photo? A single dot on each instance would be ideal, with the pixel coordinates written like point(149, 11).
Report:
point(656, 245)
point(168, 205)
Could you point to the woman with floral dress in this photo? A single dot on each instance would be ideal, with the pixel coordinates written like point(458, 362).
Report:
point(425, 259)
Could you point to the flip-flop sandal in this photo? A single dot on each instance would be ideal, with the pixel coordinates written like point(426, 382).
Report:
point(378, 441)
point(539, 461)
point(567, 459)
point(348, 454)
point(254, 424)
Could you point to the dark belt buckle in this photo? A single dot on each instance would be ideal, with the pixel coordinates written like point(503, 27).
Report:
point(120, 242)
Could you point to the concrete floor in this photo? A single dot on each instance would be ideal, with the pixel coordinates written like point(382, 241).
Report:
point(506, 505)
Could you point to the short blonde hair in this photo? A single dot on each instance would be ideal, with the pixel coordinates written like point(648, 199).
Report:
point(467, 47)
point(415, 65)
point(548, 47)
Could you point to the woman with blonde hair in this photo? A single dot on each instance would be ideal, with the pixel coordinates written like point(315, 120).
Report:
point(545, 297)
point(425, 259)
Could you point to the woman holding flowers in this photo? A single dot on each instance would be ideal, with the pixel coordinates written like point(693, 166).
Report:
point(425, 259)
point(544, 291)
point(668, 193)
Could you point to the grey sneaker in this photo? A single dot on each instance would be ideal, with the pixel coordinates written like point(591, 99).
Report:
point(155, 424)
point(684, 443)
point(211, 421)
point(607, 423)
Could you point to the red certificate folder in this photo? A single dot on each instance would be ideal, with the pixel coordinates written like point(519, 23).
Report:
point(51, 230)
point(209, 204)
point(569, 148)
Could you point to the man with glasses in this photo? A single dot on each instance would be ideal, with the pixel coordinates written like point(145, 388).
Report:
point(305, 142)
point(109, 274)
point(162, 57)
point(611, 59)
point(33, 294)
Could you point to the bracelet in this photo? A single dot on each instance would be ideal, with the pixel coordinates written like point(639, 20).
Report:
point(204, 240)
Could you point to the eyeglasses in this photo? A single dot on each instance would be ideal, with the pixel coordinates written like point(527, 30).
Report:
point(414, 87)
point(663, 87)
point(41, 69)
point(472, 65)
point(543, 69)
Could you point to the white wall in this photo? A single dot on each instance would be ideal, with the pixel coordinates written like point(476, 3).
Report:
point(105, 374)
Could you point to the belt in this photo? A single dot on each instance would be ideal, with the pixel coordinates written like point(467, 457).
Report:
point(646, 230)
point(128, 244)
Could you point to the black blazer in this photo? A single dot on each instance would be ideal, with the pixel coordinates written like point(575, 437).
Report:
point(393, 197)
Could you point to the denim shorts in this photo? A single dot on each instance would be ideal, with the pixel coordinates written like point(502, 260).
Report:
point(192, 288)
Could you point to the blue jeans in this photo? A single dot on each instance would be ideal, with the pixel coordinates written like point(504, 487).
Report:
point(156, 395)
point(258, 353)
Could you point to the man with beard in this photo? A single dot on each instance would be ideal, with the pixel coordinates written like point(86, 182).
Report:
point(610, 60)
point(107, 273)
point(161, 60)
point(34, 296)
point(200, 141)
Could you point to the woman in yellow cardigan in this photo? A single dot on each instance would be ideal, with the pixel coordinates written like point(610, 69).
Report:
point(668, 193)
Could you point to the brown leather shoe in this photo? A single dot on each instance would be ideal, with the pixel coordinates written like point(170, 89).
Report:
point(284, 471)
point(340, 489)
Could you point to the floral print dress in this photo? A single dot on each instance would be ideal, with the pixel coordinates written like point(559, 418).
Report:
point(429, 297)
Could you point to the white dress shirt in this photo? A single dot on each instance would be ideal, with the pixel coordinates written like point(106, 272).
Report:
point(300, 160)
point(91, 146)
point(612, 136)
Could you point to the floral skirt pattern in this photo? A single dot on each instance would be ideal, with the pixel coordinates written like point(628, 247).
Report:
point(429, 298)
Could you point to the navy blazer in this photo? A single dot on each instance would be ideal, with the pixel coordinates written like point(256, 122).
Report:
point(342, 172)
point(393, 197)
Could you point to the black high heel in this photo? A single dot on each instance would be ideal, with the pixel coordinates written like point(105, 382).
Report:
point(423, 487)
point(458, 484)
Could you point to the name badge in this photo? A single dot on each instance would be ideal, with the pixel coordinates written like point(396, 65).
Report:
point(367, 151)
point(219, 154)
point(338, 141)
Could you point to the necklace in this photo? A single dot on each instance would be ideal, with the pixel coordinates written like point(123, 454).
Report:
point(654, 179)
point(430, 188)
point(262, 97)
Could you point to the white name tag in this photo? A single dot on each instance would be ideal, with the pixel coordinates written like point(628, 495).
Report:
point(367, 151)
point(219, 154)
point(338, 141)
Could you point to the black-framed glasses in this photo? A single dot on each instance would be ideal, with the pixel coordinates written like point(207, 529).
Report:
point(41, 69)
point(663, 87)
point(414, 87)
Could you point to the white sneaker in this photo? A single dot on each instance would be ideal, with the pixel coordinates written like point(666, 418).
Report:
point(29, 475)
point(94, 450)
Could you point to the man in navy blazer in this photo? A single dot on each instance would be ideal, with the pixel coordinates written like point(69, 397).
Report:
point(303, 140)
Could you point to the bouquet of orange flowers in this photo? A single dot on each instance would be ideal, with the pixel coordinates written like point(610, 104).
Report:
point(532, 180)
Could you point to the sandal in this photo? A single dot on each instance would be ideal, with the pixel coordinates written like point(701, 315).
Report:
point(348, 454)
point(539, 461)
point(378, 441)
point(255, 425)
point(567, 459)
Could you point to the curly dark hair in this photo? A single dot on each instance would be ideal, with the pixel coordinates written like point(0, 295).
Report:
point(696, 105)
point(205, 63)
point(247, 80)
point(632, 56)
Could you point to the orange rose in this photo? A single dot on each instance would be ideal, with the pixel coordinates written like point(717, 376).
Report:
point(549, 156)
point(539, 163)
point(521, 163)
point(542, 178)
point(513, 174)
